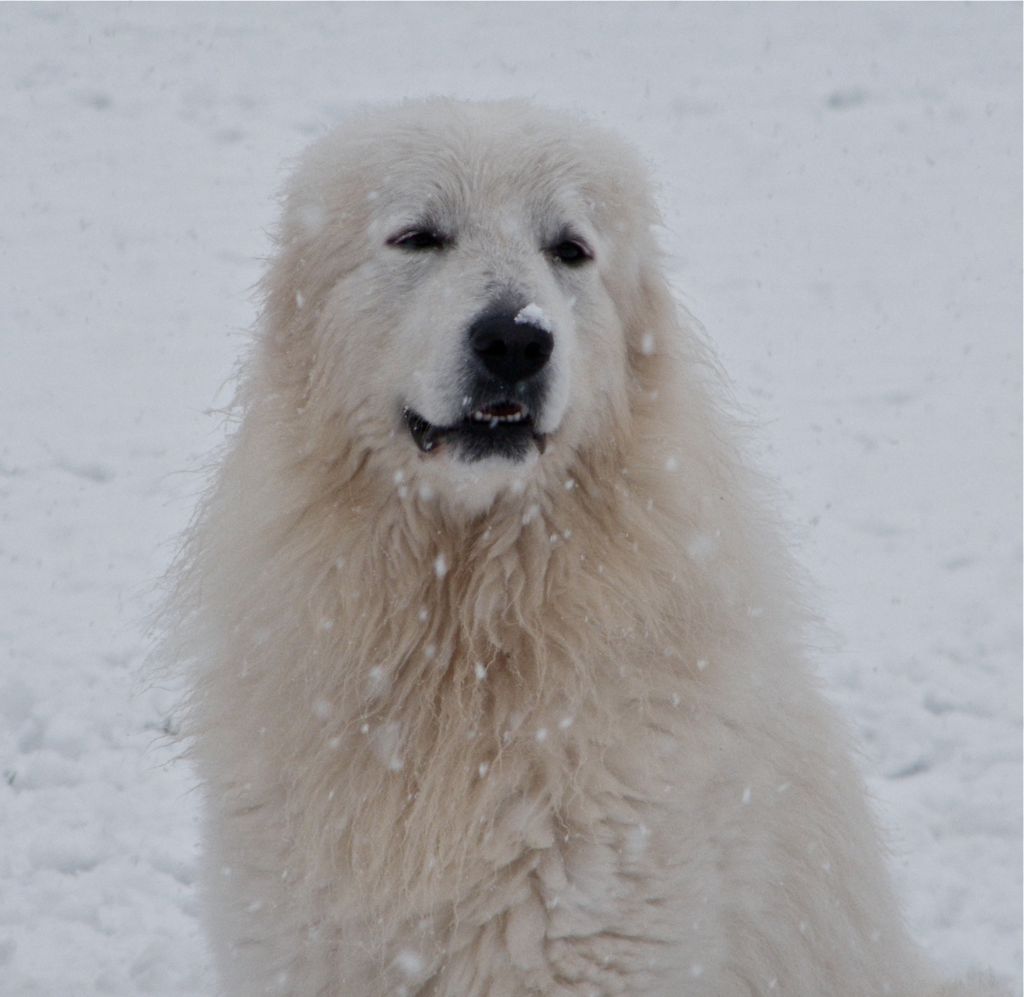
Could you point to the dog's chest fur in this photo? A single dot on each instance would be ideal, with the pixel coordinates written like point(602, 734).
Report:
point(491, 756)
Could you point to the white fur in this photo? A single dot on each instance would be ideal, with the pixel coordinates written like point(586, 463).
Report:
point(506, 729)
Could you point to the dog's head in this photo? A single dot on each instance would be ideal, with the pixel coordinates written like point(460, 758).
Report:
point(459, 279)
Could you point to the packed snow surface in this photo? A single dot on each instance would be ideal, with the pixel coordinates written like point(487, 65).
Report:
point(841, 191)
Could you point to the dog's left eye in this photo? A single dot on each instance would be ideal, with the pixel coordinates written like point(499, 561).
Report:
point(571, 252)
point(418, 240)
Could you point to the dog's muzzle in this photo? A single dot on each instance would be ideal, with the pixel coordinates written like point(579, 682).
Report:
point(504, 385)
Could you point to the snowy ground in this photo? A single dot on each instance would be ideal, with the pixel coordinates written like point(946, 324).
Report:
point(842, 199)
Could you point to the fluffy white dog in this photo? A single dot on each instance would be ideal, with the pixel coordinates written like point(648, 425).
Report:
point(499, 686)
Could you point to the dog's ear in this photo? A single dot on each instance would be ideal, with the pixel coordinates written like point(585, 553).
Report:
point(656, 327)
point(674, 376)
point(294, 283)
point(315, 240)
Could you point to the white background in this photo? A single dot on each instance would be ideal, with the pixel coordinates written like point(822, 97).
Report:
point(842, 200)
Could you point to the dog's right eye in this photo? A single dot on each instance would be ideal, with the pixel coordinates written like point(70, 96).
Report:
point(418, 240)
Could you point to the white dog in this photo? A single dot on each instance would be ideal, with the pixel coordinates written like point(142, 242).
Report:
point(499, 687)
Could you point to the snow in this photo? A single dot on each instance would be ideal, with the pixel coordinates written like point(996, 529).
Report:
point(386, 744)
point(533, 314)
point(701, 548)
point(842, 211)
point(440, 566)
point(410, 963)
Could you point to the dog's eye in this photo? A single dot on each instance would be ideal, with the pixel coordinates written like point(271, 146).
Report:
point(571, 252)
point(418, 240)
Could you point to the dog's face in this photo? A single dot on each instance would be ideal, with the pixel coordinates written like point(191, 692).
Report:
point(471, 322)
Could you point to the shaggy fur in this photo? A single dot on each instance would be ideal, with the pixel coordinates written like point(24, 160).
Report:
point(505, 728)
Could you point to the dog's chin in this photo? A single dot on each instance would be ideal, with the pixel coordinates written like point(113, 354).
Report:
point(475, 460)
point(500, 433)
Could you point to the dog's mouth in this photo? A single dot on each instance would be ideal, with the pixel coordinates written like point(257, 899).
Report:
point(503, 428)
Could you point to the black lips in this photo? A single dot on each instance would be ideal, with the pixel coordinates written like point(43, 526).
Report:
point(501, 429)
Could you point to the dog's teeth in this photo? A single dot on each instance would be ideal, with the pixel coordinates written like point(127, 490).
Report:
point(480, 415)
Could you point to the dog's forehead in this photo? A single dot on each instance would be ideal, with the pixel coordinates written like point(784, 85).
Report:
point(505, 192)
point(499, 168)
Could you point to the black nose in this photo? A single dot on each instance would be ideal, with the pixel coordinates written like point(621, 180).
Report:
point(510, 350)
